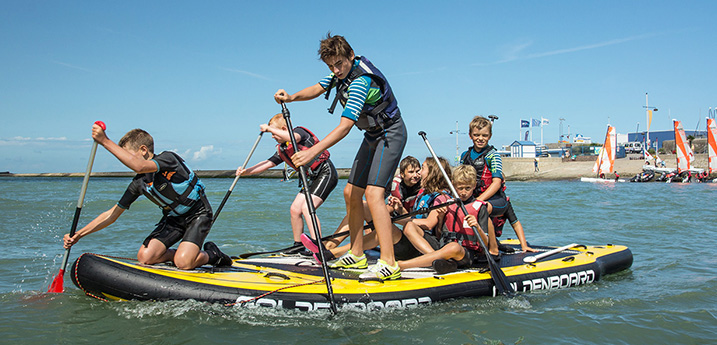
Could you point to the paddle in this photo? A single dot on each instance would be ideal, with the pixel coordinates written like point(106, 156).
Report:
point(229, 192)
point(57, 284)
point(534, 258)
point(312, 209)
point(421, 210)
point(501, 282)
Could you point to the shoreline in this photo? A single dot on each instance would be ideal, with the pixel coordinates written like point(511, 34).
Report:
point(515, 169)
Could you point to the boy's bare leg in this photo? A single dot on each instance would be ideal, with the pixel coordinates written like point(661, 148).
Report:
point(188, 256)
point(154, 252)
point(415, 235)
point(353, 197)
point(452, 250)
point(381, 222)
point(300, 213)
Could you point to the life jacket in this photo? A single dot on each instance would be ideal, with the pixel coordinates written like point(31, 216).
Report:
point(400, 191)
point(371, 116)
point(455, 228)
point(286, 150)
point(485, 176)
point(175, 198)
point(424, 200)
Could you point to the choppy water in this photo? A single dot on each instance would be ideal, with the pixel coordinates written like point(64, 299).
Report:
point(669, 295)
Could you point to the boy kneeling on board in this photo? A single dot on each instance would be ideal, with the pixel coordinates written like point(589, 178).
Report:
point(165, 180)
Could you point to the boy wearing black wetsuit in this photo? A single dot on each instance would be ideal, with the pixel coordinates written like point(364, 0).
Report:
point(168, 182)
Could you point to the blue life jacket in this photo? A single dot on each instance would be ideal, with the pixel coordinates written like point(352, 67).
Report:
point(371, 116)
point(175, 198)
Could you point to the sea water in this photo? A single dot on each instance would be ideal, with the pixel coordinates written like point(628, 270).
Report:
point(669, 296)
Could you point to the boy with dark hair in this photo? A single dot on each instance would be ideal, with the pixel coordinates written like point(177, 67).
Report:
point(369, 103)
point(167, 181)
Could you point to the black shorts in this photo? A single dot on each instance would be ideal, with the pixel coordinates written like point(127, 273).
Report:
point(499, 203)
point(323, 181)
point(192, 227)
point(378, 156)
point(404, 249)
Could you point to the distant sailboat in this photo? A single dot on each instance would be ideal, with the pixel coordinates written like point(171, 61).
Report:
point(605, 162)
point(712, 145)
point(685, 156)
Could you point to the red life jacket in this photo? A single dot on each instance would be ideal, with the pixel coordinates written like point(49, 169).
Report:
point(286, 150)
point(455, 229)
point(399, 190)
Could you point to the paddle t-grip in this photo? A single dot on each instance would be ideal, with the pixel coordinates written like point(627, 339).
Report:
point(101, 124)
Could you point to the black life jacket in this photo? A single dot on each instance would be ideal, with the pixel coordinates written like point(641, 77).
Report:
point(286, 150)
point(372, 116)
point(485, 177)
point(401, 191)
point(175, 198)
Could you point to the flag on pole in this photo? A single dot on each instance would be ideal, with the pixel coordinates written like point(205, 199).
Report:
point(544, 121)
point(536, 122)
point(524, 123)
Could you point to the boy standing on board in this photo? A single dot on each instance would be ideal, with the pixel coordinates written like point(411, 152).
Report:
point(165, 180)
point(368, 103)
point(322, 177)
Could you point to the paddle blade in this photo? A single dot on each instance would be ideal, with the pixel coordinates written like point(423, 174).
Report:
point(57, 285)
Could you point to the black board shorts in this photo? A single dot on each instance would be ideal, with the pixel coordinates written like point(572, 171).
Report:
point(323, 181)
point(192, 227)
point(378, 156)
point(404, 249)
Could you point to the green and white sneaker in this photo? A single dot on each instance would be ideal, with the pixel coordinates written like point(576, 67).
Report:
point(351, 261)
point(382, 271)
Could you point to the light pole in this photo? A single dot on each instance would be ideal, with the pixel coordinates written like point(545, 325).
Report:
point(458, 148)
point(561, 129)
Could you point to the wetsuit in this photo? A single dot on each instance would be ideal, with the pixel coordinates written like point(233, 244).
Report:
point(321, 174)
point(368, 100)
point(175, 188)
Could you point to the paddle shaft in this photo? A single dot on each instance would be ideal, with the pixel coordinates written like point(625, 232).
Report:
point(312, 209)
point(57, 284)
point(366, 227)
point(499, 278)
point(534, 258)
point(229, 192)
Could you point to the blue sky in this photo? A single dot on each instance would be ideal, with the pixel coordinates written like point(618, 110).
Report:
point(199, 76)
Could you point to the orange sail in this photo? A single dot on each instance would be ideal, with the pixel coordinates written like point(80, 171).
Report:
point(685, 157)
point(712, 145)
point(605, 162)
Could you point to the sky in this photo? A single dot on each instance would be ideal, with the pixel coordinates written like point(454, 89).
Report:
point(200, 75)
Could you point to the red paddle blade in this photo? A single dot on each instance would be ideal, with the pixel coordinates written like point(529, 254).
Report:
point(57, 283)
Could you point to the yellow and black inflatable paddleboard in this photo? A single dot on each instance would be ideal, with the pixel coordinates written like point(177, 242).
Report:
point(296, 282)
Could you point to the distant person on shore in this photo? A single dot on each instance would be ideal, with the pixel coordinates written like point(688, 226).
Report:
point(168, 182)
point(535, 163)
point(321, 173)
point(369, 103)
point(489, 168)
point(400, 198)
point(617, 176)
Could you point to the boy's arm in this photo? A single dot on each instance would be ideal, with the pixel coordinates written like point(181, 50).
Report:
point(137, 164)
point(306, 94)
point(257, 168)
point(342, 130)
point(493, 188)
point(102, 221)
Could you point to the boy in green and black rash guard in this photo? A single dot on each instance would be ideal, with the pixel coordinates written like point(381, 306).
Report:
point(169, 183)
point(369, 104)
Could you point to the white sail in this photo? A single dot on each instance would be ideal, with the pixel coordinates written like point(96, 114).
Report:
point(685, 157)
point(605, 162)
point(712, 145)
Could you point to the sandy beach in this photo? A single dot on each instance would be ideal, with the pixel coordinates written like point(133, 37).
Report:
point(515, 169)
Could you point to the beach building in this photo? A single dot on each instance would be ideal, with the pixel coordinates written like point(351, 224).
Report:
point(522, 149)
point(658, 137)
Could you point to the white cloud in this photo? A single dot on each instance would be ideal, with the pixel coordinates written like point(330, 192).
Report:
point(205, 152)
